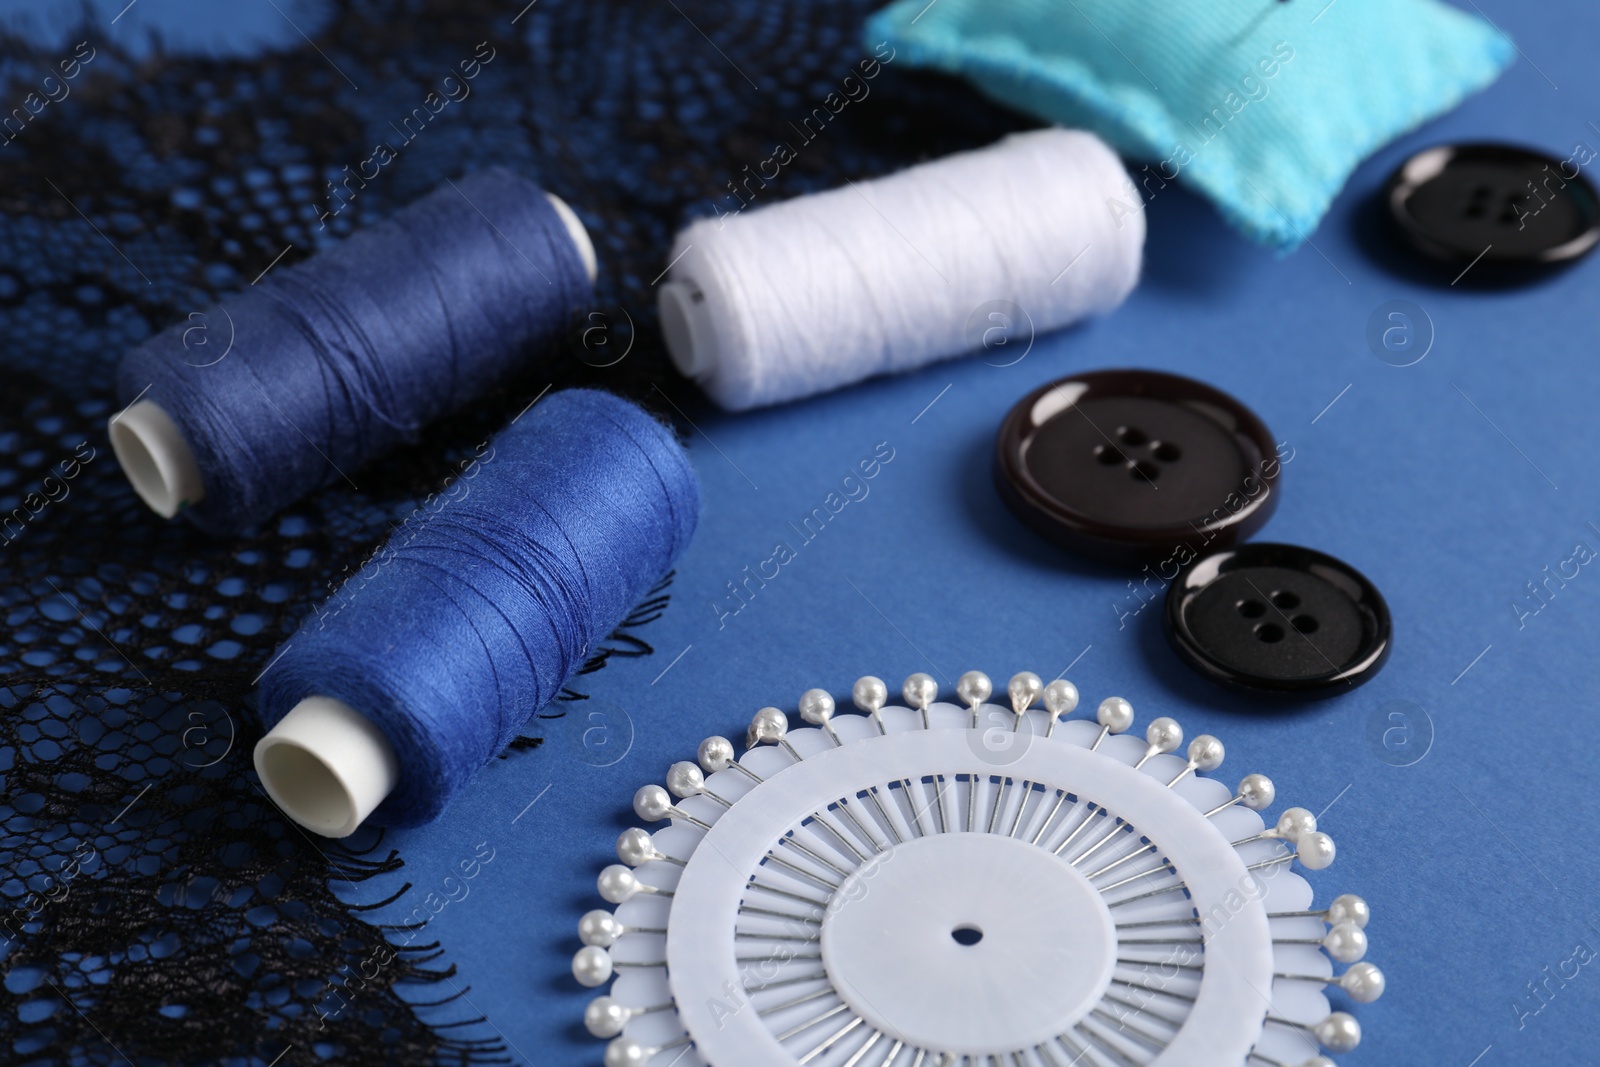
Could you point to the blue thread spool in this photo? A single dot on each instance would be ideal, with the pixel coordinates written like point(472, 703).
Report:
point(321, 367)
point(425, 664)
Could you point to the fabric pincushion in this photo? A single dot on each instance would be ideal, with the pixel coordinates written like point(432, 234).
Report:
point(1266, 108)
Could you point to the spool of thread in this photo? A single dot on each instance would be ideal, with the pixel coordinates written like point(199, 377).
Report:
point(822, 291)
point(425, 664)
point(298, 381)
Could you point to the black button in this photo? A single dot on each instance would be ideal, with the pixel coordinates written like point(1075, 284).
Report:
point(1495, 206)
point(1278, 618)
point(1136, 466)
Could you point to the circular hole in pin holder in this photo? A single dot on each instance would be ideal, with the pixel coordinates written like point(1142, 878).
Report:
point(967, 935)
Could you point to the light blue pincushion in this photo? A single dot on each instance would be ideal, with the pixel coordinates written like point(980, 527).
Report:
point(1264, 106)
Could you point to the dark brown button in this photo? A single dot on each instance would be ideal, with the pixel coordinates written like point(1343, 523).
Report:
point(1278, 618)
point(1497, 208)
point(1130, 465)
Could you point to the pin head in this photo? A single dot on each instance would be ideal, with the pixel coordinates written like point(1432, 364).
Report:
point(1339, 1032)
point(816, 706)
point(1206, 753)
point(684, 779)
point(599, 927)
point(920, 690)
point(1257, 792)
point(1349, 908)
point(635, 847)
point(1363, 982)
point(768, 727)
point(973, 688)
point(626, 1052)
point(715, 754)
point(870, 694)
point(1115, 714)
point(651, 803)
point(1346, 942)
point(617, 884)
point(1164, 734)
point(605, 1017)
point(1315, 850)
point(1024, 688)
point(1060, 698)
point(1295, 822)
point(591, 966)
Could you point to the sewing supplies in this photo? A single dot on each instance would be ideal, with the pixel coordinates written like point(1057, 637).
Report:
point(977, 250)
point(1266, 116)
point(852, 892)
point(301, 379)
point(425, 664)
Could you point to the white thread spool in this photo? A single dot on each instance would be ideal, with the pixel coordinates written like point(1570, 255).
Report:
point(158, 461)
point(884, 276)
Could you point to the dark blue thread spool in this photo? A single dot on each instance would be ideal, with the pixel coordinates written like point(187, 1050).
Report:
point(425, 664)
point(330, 363)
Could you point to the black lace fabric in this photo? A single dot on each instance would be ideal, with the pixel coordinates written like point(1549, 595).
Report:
point(154, 906)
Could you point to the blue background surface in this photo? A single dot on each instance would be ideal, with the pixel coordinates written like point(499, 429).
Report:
point(1451, 483)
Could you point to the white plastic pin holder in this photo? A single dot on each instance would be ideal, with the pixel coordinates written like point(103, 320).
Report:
point(942, 884)
point(157, 459)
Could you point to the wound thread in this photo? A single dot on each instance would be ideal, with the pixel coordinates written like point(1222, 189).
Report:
point(475, 614)
point(884, 276)
point(339, 359)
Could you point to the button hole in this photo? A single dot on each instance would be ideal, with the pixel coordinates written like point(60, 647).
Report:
point(1269, 633)
point(1305, 624)
point(1251, 609)
point(1109, 456)
point(1132, 435)
point(1285, 600)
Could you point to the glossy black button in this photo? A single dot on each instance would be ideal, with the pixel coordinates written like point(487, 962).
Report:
point(1278, 618)
point(1495, 206)
point(1137, 466)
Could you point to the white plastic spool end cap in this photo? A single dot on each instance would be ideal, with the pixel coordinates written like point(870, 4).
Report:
point(687, 328)
point(580, 236)
point(327, 766)
point(156, 458)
